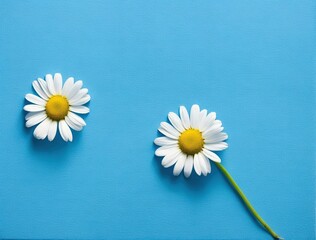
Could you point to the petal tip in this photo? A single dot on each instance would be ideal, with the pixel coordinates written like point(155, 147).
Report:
point(187, 175)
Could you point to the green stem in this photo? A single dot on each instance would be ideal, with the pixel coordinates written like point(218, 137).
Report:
point(246, 201)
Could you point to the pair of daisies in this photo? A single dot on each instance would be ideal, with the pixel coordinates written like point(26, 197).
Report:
point(188, 141)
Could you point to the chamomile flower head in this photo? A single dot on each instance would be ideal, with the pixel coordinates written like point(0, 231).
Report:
point(189, 141)
point(56, 107)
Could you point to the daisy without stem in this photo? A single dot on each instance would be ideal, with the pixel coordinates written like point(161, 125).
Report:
point(56, 106)
point(189, 141)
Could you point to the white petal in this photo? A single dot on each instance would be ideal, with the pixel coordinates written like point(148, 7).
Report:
point(41, 130)
point(188, 166)
point(165, 150)
point(202, 163)
point(203, 115)
point(82, 100)
point(216, 146)
point(196, 163)
point(170, 129)
point(82, 92)
point(38, 89)
point(176, 121)
point(29, 115)
point(65, 131)
point(212, 156)
point(68, 131)
point(52, 131)
point(58, 83)
point(212, 116)
point(207, 121)
point(67, 86)
point(44, 87)
point(33, 108)
point(161, 141)
point(217, 123)
point(206, 162)
point(219, 137)
point(50, 84)
point(75, 89)
point(35, 119)
point(79, 109)
point(195, 116)
point(35, 99)
point(170, 158)
point(179, 165)
point(214, 130)
point(73, 125)
point(76, 119)
point(214, 124)
point(184, 117)
point(167, 134)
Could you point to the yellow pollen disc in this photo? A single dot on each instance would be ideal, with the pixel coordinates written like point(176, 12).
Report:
point(57, 107)
point(191, 141)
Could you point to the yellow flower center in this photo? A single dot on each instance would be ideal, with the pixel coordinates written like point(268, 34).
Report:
point(191, 141)
point(57, 107)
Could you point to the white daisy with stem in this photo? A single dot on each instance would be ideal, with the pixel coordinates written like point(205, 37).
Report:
point(56, 107)
point(189, 143)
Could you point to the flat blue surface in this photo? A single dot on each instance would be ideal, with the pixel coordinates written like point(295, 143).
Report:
point(250, 61)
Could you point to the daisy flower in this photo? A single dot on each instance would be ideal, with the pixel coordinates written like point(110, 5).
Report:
point(189, 141)
point(56, 106)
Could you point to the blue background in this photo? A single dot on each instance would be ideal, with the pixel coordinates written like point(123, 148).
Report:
point(250, 61)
